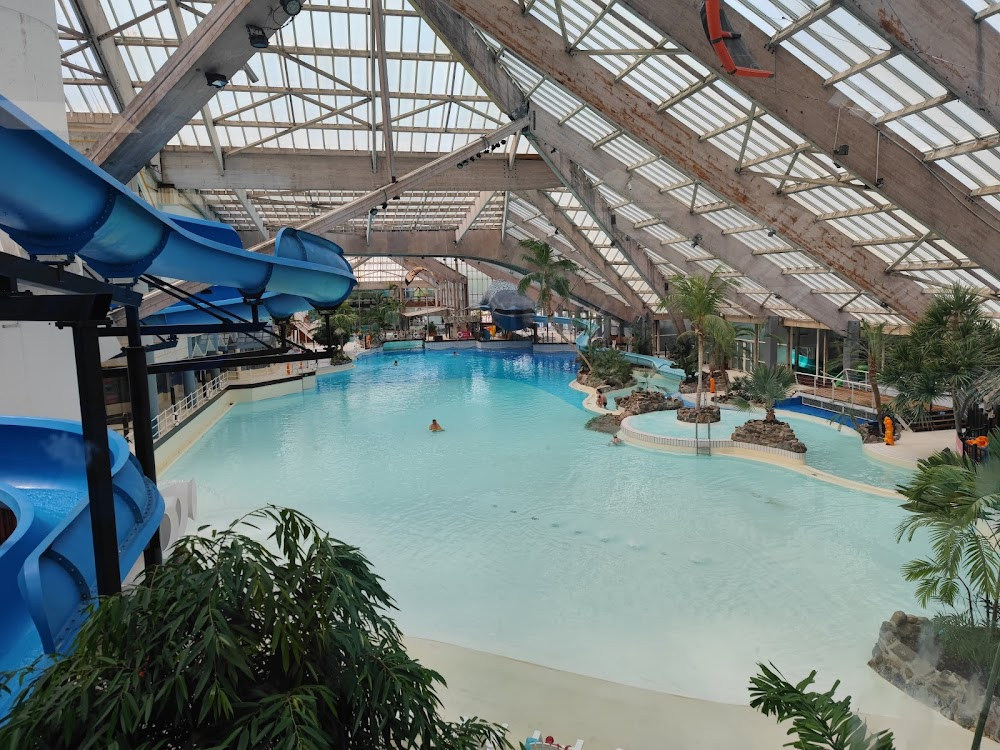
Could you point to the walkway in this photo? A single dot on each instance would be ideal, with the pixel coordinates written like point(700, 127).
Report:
point(607, 715)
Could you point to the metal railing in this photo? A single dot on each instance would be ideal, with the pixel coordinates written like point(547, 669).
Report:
point(836, 389)
point(171, 418)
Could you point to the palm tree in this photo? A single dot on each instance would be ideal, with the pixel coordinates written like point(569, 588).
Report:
point(551, 274)
point(873, 344)
point(331, 329)
point(699, 299)
point(765, 385)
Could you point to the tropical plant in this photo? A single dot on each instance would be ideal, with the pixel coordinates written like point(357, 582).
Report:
point(609, 366)
point(819, 720)
point(552, 275)
point(685, 355)
point(699, 299)
point(765, 385)
point(333, 329)
point(952, 350)
point(957, 502)
point(232, 645)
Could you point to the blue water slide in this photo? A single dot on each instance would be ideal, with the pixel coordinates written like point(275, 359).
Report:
point(56, 202)
point(229, 301)
point(47, 569)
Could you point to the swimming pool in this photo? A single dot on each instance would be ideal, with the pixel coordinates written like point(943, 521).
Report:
point(518, 532)
point(837, 450)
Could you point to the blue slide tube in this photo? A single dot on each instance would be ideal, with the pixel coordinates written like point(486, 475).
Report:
point(56, 202)
point(47, 570)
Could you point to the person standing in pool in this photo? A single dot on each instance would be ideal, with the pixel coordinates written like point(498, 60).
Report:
point(435, 427)
point(395, 363)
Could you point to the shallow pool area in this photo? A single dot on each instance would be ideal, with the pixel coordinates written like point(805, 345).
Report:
point(518, 532)
point(832, 448)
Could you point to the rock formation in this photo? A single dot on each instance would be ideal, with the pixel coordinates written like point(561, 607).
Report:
point(770, 434)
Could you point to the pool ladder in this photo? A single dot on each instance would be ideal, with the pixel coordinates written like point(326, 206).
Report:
point(703, 450)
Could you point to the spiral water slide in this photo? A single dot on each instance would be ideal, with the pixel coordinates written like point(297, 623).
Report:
point(56, 203)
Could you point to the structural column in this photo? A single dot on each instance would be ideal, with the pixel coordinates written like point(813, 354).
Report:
point(771, 332)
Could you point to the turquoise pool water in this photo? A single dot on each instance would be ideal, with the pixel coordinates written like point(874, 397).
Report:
point(835, 450)
point(518, 532)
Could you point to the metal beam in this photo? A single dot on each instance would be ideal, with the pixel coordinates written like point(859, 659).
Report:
point(299, 171)
point(942, 38)
point(179, 89)
point(480, 245)
point(725, 248)
point(98, 30)
point(482, 200)
point(381, 196)
point(251, 209)
point(530, 39)
point(378, 34)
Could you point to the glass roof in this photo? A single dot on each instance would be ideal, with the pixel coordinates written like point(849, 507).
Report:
point(317, 90)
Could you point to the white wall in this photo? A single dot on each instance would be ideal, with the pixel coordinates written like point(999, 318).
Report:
point(37, 371)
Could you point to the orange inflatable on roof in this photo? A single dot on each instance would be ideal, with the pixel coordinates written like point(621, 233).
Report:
point(732, 53)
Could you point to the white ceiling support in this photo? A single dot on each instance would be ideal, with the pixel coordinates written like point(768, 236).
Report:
point(101, 37)
point(179, 89)
point(945, 40)
point(575, 236)
point(284, 169)
point(800, 23)
point(482, 200)
point(878, 158)
point(206, 115)
point(534, 42)
point(988, 12)
point(378, 35)
point(383, 195)
point(252, 212)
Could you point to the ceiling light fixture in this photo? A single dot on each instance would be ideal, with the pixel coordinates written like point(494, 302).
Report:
point(216, 80)
point(291, 7)
point(258, 39)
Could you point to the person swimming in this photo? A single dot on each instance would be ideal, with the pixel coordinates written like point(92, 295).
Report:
point(395, 363)
point(615, 441)
point(435, 427)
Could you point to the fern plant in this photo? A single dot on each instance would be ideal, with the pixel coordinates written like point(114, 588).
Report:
point(819, 720)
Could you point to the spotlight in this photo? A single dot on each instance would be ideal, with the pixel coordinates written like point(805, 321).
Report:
point(842, 150)
point(879, 182)
point(258, 39)
point(385, 206)
point(460, 165)
point(770, 233)
point(695, 240)
point(216, 80)
point(291, 7)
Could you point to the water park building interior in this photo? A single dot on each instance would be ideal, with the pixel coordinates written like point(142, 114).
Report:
point(466, 374)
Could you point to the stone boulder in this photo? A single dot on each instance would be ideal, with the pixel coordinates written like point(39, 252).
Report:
point(643, 402)
point(770, 434)
point(704, 415)
point(906, 654)
point(606, 423)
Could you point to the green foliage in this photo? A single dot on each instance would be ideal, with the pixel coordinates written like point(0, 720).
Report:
point(819, 721)
point(609, 366)
point(953, 350)
point(966, 647)
point(231, 645)
point(342, 322)
point(955, 501)
point(685, 355)
point(548, 271)
point(700, 299)
point(764, 386)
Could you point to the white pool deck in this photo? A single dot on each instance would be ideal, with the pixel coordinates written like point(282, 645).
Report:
point(607, 715)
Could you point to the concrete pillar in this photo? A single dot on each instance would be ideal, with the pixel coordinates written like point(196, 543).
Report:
point(37, 372)
point(852, 344)
point(772, 331)
point(190, 382)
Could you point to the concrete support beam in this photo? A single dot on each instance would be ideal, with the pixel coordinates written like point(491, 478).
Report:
point(280, 169)
point(594, 260)
point(926, 191)
point(944, 39)
point(726, 248)
point(378, 35)
point(432, 267)
point(470, 218)
point(484, 245)
point(534, 42)
point(251, 209)
point(381, 196)
point(178, 89)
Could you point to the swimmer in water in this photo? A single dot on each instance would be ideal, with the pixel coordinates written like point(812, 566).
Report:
point(395, 363)
point(435, 427)
point(616, 440)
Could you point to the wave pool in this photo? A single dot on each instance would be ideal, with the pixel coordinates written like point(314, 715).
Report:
point(518, 532)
